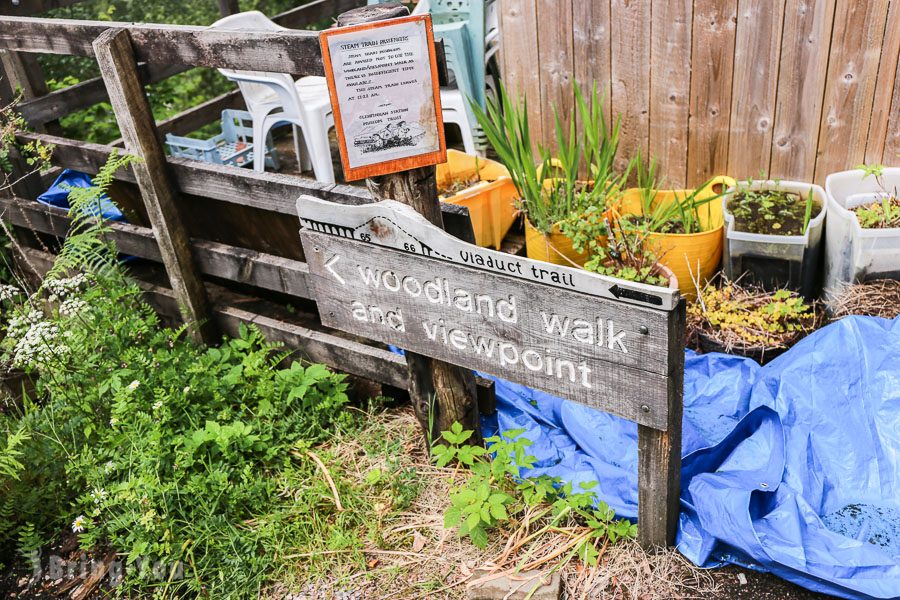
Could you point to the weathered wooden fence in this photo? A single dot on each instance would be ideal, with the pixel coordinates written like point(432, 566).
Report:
point(226, 235)
point(795, 88)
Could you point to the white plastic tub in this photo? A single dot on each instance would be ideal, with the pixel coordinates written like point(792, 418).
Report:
point(776, 261)
point(854, 254)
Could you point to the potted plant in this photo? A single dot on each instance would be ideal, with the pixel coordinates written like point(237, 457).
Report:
point(773, 234)
point(684, 227)
point(863, 233)
point(485, 188)
point(748, 321)
point(553, 190)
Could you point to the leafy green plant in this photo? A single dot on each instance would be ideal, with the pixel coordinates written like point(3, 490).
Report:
point(494, 494)
point(882, 213)
point(201, 460)
point(551, 189)
point(738, 316)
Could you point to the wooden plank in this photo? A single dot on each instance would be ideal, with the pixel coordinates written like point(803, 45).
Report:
point(497, 324)
point(670, 88)
point(891, 154)
point(557, 67)
point(712, 51)
point(659, 455)
point(119, 69)
point(631, 74)
point(522, 59)
point(27, 8)
point(442, 394)
point(851, 83)
point(224, 261)
point(801, 76)
point(84, 94)
point(267, 191)
point(756, 55)
point(884, 91)
point(296, 52)
point(591, 34)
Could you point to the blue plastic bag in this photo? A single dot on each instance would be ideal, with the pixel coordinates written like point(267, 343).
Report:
point(58, 195)
point(792, 468)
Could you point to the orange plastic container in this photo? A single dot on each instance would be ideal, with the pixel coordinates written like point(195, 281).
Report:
point(491, 201)
point(693, 255)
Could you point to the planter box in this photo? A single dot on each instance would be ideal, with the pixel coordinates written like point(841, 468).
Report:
point(854, 254)
point(777, 261)
point(491, 201)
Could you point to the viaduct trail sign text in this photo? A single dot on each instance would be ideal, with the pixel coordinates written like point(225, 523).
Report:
point(383, 271)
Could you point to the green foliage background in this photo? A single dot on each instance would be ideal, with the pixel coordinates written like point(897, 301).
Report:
point(168, 97)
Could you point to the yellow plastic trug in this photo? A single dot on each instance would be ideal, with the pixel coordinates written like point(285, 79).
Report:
point(554, 248)
point(692, 256)
point(491, 202)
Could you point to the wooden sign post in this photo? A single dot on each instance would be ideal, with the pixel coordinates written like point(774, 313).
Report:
point(441, 393)
point(385, 272)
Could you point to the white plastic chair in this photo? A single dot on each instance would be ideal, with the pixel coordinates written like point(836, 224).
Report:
point(275, 98)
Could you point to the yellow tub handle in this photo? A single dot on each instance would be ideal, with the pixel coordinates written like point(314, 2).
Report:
point(724, 180)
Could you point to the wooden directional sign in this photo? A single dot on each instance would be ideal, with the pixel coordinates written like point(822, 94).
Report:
point(382, 271)
point(382, 77)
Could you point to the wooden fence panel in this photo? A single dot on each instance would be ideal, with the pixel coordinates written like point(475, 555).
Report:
point(850, 91)
point(803, 70)
point(757, 51)
point(631, 73)
point(793, 88)
point(712, 64)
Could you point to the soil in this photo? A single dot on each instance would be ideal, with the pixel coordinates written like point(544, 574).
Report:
point(457, 184)
point(770, 212)
point(871, 216)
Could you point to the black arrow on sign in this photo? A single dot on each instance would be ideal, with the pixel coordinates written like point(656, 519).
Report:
point(635, 295)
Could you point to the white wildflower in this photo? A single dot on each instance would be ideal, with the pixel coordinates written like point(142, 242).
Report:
point(134, 385)
point(78, 524)
point(113, 421)
point(99, 495)
point(62, 288)
point(39, 345)
point(157, 405)
point(72, 306)
point(8, 292)
point(109, 467)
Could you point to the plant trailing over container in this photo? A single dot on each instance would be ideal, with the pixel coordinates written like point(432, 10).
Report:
point(749, 321)
point(616, 250)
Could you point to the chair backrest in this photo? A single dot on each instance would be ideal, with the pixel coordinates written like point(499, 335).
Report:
point(257, 86)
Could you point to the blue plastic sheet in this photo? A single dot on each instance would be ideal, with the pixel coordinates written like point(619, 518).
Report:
point(58, 195)
point(792, 468)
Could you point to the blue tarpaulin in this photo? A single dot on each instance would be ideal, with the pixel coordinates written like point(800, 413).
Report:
point(58, 195)
point(792, 468)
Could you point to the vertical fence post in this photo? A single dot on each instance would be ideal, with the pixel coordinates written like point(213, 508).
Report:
point(228, 7)
point(659, 453)
point(441, 393)
point(118, 66)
